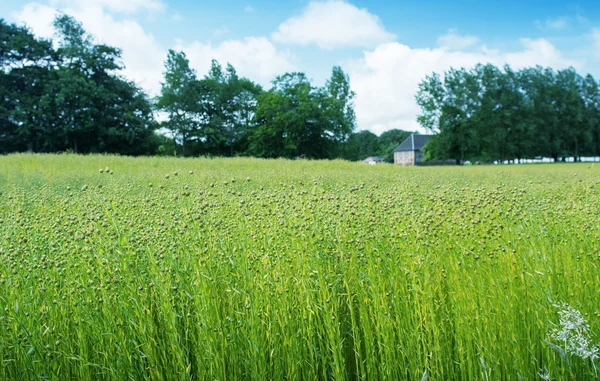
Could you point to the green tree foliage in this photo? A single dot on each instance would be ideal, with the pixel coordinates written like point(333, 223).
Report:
point(337, 101)
point(73, 98)
point(69, 98)
point(295, 119)
point(212, 115)
point(179, 99)
point(361, 145)
point(25, 69)
point(230, 105)
point(389, 141)
point(489, 114)
point(95, 109)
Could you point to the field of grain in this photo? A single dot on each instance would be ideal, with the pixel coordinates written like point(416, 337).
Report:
point(115, 268)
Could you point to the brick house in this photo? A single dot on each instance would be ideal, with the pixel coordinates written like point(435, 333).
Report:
point(409, 152)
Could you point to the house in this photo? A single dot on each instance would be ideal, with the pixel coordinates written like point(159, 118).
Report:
point(374, 160)
point(410, 151)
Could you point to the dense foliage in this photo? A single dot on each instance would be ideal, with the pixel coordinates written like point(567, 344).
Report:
point(232, 269)
point(225, 115)
point(69, 95)
point(488, 114)
point(73, 98)
point(69, 98)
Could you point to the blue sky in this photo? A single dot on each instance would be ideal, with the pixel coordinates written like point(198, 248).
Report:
point(385, 46)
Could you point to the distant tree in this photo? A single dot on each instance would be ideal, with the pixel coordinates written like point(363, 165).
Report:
point(492, 114)
point(361, 145)
point(448, 108)
point(541, 91)
point(180, 99)
point(88, 106)
point(230, 105)
point(288, 120)
point(296, 119)
point(337, 101)
point(591, 99)
point(390, 140)
point(25, 70)
point(571, 110)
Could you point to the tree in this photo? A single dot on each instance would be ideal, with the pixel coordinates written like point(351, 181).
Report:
point(361, 145)
point(570, 108)
point(295, 119)
point(389, 141)
point(288, 120)
point(591, 99)
point(91, 108)
point(180, 99)
point(430, 97)
point(492, 114)
point(448, 108)
point(230, 102)
point(337, 100)
point(25, 69)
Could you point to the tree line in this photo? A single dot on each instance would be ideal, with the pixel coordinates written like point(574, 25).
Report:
point(225, 115)
point(68, 94)
point(490, 114)
point(69, 97)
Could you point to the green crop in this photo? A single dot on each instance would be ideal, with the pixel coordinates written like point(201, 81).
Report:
point(115, 268)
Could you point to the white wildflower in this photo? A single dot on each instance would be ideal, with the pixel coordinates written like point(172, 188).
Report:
point(574, 333)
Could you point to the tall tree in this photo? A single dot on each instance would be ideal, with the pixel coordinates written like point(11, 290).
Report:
point(591, 99)
point(361, 145)
point(180, 99)
point(570, 108)
point(230, 104)
point(90, 107)
point(25, 69)
point(337, 100)
point(289, 120)
point(296, 119)
point(492, 114)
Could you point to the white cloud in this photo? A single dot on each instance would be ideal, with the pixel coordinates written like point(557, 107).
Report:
point(141, 54)
point(596, 37)
point(121, 6)
point(455, 41)
point(221, 31)
point(553, 24)
point(248, 9)
point(332, 24)
point(386, 79)
point(253, 57)
point(38, 17)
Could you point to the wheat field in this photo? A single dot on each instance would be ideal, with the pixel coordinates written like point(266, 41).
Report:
point(116, 268)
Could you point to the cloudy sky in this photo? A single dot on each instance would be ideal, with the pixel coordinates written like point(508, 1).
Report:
point(385, 46)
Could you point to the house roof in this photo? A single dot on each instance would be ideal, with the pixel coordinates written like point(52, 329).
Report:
point(414, 142)
point(374, 158)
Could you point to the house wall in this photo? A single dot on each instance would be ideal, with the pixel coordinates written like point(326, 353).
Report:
point(419, 157)
point(404, 158)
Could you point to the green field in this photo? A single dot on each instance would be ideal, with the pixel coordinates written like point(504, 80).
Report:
point(230, 269)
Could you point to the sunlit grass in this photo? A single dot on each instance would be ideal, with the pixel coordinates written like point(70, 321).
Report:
point(250, 269)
